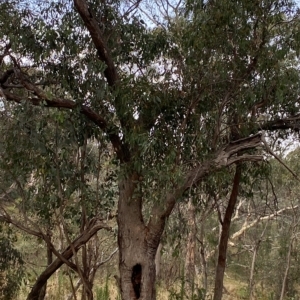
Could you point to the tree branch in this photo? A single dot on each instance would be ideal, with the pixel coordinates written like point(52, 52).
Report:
point(94, 226)
point(226, 156)
point(6, 52)
point(279, 159)
point(5, 217)
point(292, 122)
point(40, 97)
point(110, 72)
point(92, 25)
point(247, 226)
point(6, 75)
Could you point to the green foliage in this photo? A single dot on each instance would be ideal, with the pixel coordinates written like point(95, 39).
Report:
point(11, 265)
point(214, 72)
point(196, 70)
point(243, 293)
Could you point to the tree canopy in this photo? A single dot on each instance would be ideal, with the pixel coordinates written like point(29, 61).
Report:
point(142, 104)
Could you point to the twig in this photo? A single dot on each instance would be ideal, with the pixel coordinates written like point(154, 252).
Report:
point(278, 158)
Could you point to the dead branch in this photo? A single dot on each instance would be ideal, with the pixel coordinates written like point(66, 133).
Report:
point(247, 226)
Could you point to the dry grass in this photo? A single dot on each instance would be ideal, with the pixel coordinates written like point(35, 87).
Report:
point(234, 289)
point(59, 288)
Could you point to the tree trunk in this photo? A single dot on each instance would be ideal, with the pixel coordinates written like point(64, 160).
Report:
point(202, 258)
point(255, 250)
point(287, 268)
point(219, 277)
point(191, 244)
point(251, 281)
point(158, 260)
point(137, 245)
point(49, 262)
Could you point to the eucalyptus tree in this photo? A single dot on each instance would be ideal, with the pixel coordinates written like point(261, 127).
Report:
point(177, 101)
